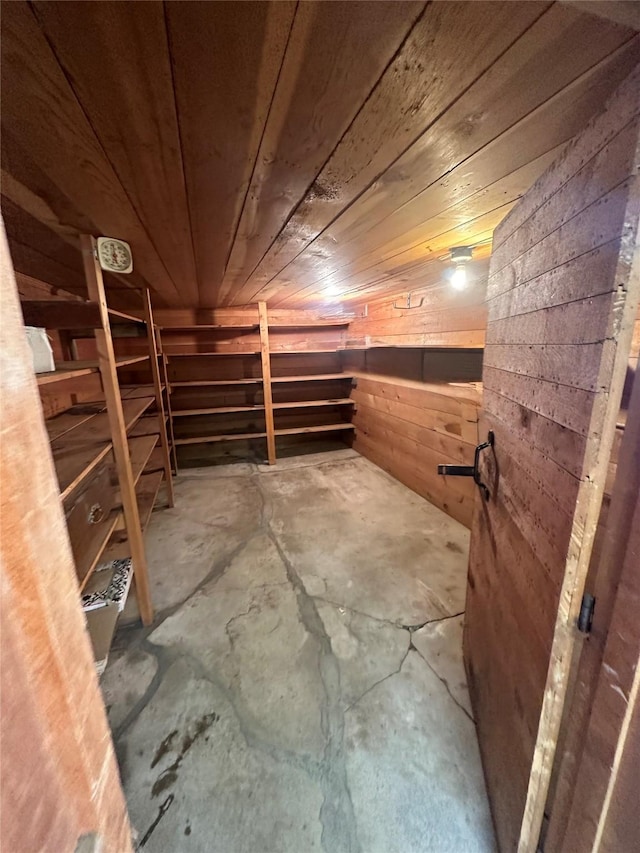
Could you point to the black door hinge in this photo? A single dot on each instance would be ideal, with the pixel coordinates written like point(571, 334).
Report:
point(585, 619)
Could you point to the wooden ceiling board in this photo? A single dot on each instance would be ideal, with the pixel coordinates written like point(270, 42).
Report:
point(226, 59)
point(425, 78)
point(566, 118)
point(422, 263)
point(65, 147)
point(320, 92)
point(466, 151)
point(125, 87)
point(270, 149)
point(425, 239)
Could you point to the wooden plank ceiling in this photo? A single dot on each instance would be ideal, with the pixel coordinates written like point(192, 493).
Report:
point(286, 151)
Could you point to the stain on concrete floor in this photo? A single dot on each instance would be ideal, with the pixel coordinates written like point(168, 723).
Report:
point(302, 686)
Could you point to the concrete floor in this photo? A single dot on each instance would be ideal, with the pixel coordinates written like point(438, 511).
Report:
point(301, 688)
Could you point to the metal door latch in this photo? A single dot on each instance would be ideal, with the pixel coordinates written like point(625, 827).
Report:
point(471, 470)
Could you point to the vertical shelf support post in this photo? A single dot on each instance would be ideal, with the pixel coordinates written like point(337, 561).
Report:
point(108, 371)
point(165, 379)
point(157, 384)
point(266, 381)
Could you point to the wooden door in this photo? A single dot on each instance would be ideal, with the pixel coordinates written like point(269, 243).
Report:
point(562, 299)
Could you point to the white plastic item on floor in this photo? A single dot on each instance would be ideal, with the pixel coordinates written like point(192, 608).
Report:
point(41, 351)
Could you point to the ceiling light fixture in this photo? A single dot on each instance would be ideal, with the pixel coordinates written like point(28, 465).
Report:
point(332, 290)
point(460, 255)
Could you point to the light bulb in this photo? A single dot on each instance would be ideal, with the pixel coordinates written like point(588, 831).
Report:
point(459, 278)
point(332, 290)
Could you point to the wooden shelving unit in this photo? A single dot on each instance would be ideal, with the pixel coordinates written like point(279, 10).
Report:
point(110, 446)
point(219, 394)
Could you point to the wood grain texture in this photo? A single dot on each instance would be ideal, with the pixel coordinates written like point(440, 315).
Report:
point(131, 78)
point(33, 81)
point(276, 149)
point(408, 427)
point(502, 122)
point(226, 60)
point(320, 92)
point(396, 112)
point(51, 700)
point(553, 379)
point(593, 721)
point(117, 424)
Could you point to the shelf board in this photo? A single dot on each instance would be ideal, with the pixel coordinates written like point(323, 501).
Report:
point(303, 404)
point(99, 545)
point(140, 450)
point(302, 351)
point(130, 392)
point(62, 424)
point(322, 324)
point(92, 364)
point(210, 439)
point(197, 327)
point(320, 428)
point(171, 355)
point(312, 377)
point(70, 314)
point(147, 425)
point(146, 491)
point(155, 462)
point(74, 463)
point(76, 453)
point(122, 317)
point(73, 369)
point(217, 410)
point(199, 383)
point(64, 373)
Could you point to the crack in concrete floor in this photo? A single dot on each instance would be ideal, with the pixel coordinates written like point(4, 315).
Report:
point(330, 771)
point(336, 815)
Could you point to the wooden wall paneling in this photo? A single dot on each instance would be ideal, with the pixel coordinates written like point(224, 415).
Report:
point(409, 427)
point(32, 78)
point(41, 253)
point(52, 702)
point(131, 77)
point(578, 795)
point(118, 431)
point(424, 78)
point(38, 219)
point(203, 368)
point(219, 70)
point(266, 382)
point(604, 814)
point(513, 108)
point(334, 58)
point(547, 399)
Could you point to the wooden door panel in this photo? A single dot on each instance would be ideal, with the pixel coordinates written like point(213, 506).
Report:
point(562, 300)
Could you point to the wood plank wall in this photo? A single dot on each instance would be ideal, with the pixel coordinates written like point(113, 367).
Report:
point(442, 316)
point(301, 343)
point(559, 260)
point(53, 726)
point(409, 419)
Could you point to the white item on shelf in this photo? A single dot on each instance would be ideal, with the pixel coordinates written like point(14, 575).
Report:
point(40, 349)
